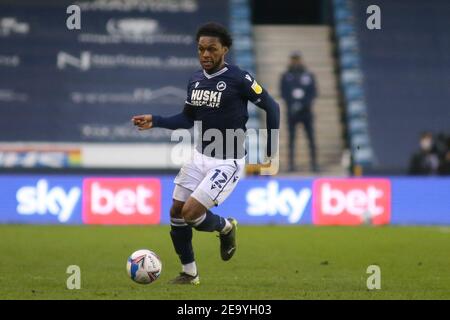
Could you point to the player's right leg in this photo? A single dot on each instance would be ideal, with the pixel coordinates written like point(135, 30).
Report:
point(187, 180)
point(181, 235)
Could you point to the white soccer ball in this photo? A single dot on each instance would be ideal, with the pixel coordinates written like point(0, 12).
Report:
point(144, 266)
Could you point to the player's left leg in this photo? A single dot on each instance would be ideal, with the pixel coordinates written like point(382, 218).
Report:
point(202, 219)
point(199, 217)
point(217, 185)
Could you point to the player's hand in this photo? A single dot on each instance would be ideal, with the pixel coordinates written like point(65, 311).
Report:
point(143, 122)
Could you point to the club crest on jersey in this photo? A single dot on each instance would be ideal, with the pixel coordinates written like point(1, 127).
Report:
point(196, 84)
point(207, 98)
point(221, 85)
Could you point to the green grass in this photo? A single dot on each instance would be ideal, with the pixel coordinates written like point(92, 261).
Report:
point(272, 262)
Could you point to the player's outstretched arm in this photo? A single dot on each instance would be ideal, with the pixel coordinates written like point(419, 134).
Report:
point(182, 120)
point(143, 122)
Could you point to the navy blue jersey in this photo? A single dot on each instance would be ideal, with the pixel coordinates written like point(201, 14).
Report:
point(219, 101)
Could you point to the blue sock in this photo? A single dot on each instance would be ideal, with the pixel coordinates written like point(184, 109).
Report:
point(208, 222)
point(181, 234)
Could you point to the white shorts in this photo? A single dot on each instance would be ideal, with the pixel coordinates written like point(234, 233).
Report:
point(209, 180)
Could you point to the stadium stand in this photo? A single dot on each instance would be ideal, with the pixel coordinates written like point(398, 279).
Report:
point(395, 84)
point(273, 45)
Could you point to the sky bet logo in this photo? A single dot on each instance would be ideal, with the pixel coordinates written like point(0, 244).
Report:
point(121, 201)
point(41, 199)
point(351, 201)
point(271, 200)
point(91, 200)
point(206, 98)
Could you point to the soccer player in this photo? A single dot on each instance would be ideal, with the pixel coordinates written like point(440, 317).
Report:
point(217, 96)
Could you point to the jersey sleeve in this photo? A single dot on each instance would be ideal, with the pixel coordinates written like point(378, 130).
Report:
point(189, 108)
point(188, 93)
point(251, 89)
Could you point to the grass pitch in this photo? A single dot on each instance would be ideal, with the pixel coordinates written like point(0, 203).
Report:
point(272, 262)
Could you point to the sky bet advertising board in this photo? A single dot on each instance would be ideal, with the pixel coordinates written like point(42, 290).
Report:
point(146, 200)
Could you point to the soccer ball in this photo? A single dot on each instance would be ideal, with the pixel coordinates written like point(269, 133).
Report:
point(144, 266)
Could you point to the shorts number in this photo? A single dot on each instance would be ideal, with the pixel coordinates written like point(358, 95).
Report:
point(220, 180)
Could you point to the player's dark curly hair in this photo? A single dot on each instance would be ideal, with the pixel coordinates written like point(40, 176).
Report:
point(213, 29)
